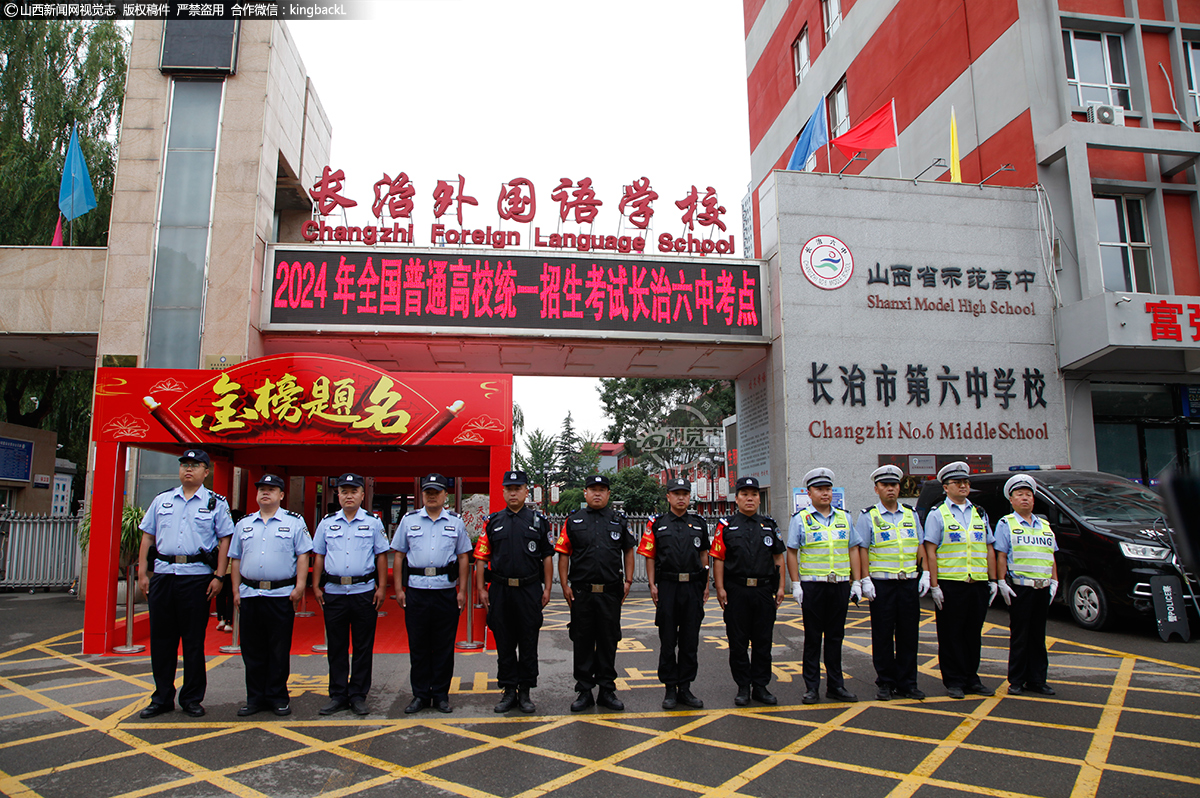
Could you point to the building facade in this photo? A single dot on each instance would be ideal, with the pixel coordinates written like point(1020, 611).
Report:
point(1091, 107)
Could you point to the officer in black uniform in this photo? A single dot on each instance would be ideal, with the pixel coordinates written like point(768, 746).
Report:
point(514, 554)
point(675, 545)
point(747, 554)
point(189, 528)
point(594, 548)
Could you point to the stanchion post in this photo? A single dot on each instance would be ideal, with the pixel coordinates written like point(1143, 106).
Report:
point(304, 612)
point(321, 648)
point(234, 646)
point(470, 643)
point(130, 587)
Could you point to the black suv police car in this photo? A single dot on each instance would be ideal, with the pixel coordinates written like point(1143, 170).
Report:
point(1112, 538)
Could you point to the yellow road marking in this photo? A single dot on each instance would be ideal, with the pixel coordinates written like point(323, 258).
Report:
point(1088, 781)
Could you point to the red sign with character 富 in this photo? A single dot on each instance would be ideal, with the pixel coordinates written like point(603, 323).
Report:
point(301, 399)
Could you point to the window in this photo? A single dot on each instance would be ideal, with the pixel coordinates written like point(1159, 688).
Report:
point(800, 55)
point(1096, 68)
point(1192, 50)
point(1124, 247)
point(839, 110)
point(831, 12)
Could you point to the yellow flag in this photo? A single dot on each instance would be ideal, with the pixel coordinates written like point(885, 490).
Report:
point(955, 169)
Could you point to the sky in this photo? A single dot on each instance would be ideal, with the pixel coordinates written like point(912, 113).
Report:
point(493, 90)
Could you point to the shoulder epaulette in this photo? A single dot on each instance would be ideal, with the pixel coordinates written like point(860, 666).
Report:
point(451, 513)
point(767, 518)
point(867, 509)
point(294, 515)
point(243, 518)
point(219, 496)
point(493, 515)
point(331, 515)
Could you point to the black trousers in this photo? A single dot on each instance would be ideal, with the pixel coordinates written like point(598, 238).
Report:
point(895, 618)
point(515, 618)
point(1028, 661)
point(224, 600)
point(678, 616)
point(178, 612)
point(824, 612)
point(750, 622)
point(350, 618)
point(595, 630)
point(431, 618)
point(266, 639)
point(960, 631)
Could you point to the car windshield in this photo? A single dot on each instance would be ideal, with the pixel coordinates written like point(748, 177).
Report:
point(1110, 500)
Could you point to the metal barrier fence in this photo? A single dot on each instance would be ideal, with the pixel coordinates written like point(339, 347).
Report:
point(38, 550)
point(637, 525)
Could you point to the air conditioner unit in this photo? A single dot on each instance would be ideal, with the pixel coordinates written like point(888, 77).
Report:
point(1102, 114)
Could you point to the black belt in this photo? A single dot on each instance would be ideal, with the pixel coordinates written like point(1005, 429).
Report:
point(753, 581)
point(592, 587)
point(449, 570)
point(511, 581)
point(181, 559)
point(269, 585)
point(693, 576)
point(329, 578)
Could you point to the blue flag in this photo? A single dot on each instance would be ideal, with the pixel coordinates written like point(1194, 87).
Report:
point(812, 138)
point(75, 195)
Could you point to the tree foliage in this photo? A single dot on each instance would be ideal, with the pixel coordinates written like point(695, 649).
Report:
point(639, 491)
point(539, 461)
point(54, 75)
point(53, 400)
point(576, 456)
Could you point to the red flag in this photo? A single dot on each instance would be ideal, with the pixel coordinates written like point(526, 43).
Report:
point(57, 241)
point(876, 132)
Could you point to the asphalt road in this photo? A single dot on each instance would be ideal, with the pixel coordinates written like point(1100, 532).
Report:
point(1125, 722)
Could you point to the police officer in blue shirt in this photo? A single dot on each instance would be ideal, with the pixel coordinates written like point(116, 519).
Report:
point(269, 562)
point(962, 572)
point(351, 554)
point(887, 539)
point(435, 543)
point(189, 528)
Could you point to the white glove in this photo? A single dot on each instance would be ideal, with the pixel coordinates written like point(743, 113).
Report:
point(868, 588)
point(856, 592)
point(993, 589)
point(1006, 592)
point(923, 584)
point(797, 593)
point(938, 598)
point(1053, 589)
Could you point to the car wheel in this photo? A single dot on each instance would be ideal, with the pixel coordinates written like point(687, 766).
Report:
point(1089, 605)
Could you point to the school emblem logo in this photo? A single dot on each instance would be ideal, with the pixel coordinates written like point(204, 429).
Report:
point(826, 262)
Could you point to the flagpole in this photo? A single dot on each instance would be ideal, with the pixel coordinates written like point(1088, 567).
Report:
point(896, 132)
point(72, 236)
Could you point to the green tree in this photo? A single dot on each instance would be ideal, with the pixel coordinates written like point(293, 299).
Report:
point(54, 75)
point(540, 460)
point(568, 502)
point(53, 400)
point(638, 489)
point(576, 457)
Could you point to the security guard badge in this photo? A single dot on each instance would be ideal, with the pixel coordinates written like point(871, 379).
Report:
point(767, 540)
point(615, 534)
point(696, 541)
point(532, 545)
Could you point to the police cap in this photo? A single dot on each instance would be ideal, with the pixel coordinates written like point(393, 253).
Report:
point(887, 473)
point(434, 481)
point(679, 483)
point(746, 482)
point(818, 478)
point(1019, 481)
point(195, 456)
point(514, 478)
point(352, 480)
point(956, 470)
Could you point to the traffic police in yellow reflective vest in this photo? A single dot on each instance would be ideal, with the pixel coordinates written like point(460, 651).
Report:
point(887, 542)
point(514, 555)
point(962, 570)
point(435, 543)
point(1025, 549)
point(824, 577)
point(269, 564)
point(188, 528)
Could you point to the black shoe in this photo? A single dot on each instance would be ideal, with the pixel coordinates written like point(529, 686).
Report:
point(443, 706)
point(1043, 689)
point(743, 696)
point(416, 705)
point(248, 710)
point(979, 689)
point(913, 693)
point(508, 701)
point(1015, 689)
point(883, 693)
point(763, 696)
point(840, 694)
point(582, 701)
point(154, 710)
point(685, 697)
point(194, 711)
point(669, 701)
point(608, 699)
point(282, 709)
point(955, 692)
point(336, 705)
point(524, 701)
point(359, 706)
point(811, 697)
